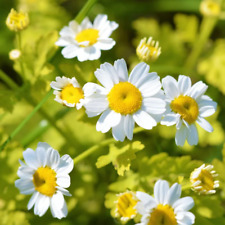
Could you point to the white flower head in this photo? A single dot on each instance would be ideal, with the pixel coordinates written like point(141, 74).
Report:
point(85, 41)
point(124, 100)
point(186, 106)
point(126, 206)
point(210, 8)
point(14, 54)
point(166, 207)
point(68, 92)
point(203, 180)
point(45, 175)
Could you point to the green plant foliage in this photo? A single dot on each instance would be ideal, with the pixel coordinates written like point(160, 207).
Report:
point(120, 157)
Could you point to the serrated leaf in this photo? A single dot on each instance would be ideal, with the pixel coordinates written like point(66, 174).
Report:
point(120, 157)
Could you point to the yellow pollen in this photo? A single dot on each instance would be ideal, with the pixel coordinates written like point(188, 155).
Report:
point(162, 215)
point(125, 98)
point(89, 34)
point(44, 180)
point(210, 8)
point(187, 107)
point(72, 94)
point(207, 180)
point(125, 206)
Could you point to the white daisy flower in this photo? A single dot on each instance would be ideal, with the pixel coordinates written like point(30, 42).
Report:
point(166, 208)
point(68, 92)
point(126, 205)
point(203, 180)
point(187, 105)
point(85, 41)
point(124, 101)
point(45, 176)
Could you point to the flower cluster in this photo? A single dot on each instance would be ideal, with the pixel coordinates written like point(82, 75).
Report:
point(165, 208)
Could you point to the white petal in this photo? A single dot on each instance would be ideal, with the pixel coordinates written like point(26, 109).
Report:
point(181, 136)
point(105, 43)
point(53, 158)
point(25, 186)
point(32, 200)
point(85, 24)
point(129, 126)
point(118, 131)
point(184, 84)
point(41, 156)
point(170, 119)
point(96, 104)
point(140, 70)
point(91, 88)
point(183, 204)
point(58, 206)
point(92, 52)
point(63, 181)
point(185, 218)
point(154, 105)
point(173, 194)
point(65, 165)
point(44, 145)
point(105, 78)
point(25, 172)
point(207, 108)
point(99, 21)
point(70, 51)
point(192, 136)
point(144, 120)
point(204, 124)
point(161, 189)
point(146, 202)
point(170, 87)
point(121, 68)
point(30, 158)
point(197, 90)
point(42, 205)
point(63, 191)
point(108, 119)
point(109, 69)
point(73, 25)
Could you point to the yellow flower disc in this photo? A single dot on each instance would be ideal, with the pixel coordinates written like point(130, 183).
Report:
point(72, 94)
point(187, 107)
point(89, 34)
point(44, 180)
point(125, 205)
point(162, 215)
point(125, 98)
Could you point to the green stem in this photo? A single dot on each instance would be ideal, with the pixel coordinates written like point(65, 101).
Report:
point(7, 80)
point(19, 46)
point(24, 122)
point(92, 149)
point(206, 29)
point(84, 11)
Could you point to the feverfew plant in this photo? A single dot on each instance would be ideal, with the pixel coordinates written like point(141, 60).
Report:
point(65, 77)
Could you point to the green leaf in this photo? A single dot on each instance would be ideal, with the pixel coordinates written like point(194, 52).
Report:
point(120, 157)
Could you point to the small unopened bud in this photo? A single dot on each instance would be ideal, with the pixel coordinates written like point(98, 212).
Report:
point(210, 8)
point(148, 50)
point(203, 180)
point(17, 21)
point(14, 54)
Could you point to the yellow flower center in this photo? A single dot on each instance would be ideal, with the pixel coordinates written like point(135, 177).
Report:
point(72, 94)
point(207, 181)
point(89, 34)
point(187, 107)
point(125, 206)
point(44, 180)
point(210, 8)
point(162, 215)
point(17, 20)
point(125, 98)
